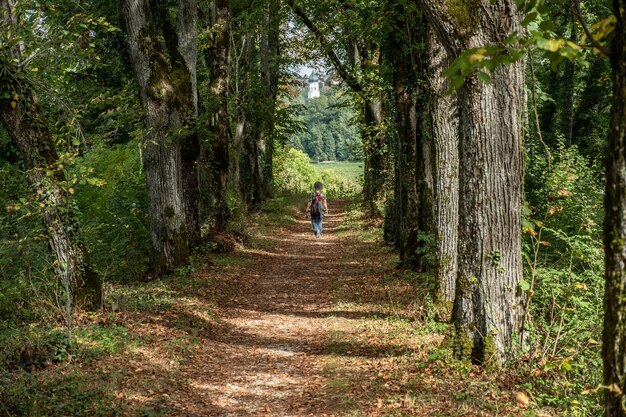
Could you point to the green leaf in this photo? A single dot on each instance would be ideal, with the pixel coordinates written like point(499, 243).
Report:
point(543, 8)
point(524, 285)
point(547, 25)
point(530, 17)
point(484, 77)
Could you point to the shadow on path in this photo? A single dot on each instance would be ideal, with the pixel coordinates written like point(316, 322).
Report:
point(263, 356)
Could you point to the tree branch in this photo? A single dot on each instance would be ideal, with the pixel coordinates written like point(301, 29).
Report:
point(438, 15)
point(344, 73)
point(536, 113)
point(165, 27)
point(593, 41)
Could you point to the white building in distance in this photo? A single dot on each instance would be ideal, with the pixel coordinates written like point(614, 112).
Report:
point(314, 87)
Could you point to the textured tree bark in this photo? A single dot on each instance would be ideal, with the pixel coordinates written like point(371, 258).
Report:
point(445, 137)
point(374, 143)
point(614, 336)
point(23, 118)
point(406, 197)
point(425, 187)
point(235, 166)
point(405, 54)
point(188, 96)
point(487, 306)
point(251, 174)
point(251, 163)
point(425, 167)
point(165, 90)
point(270, 50)
point(487, 310)
point(218, 61)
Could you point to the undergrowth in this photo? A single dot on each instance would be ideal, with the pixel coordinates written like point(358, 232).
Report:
point(126, 358)
point(391, 354)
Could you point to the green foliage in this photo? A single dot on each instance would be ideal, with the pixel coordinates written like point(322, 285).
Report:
point(539, 32)
point(30, 349)
point(114, 217)
point(71, 394)
point(25, 273)
point(330, 132)
point(426, 250)
point(292, 171)
point(341, 179)
point(564, 280)
point(294, 174)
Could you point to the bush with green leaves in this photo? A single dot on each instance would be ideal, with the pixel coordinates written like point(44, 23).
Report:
point(293, 173)
point(25, 271)
point(114, 216)
point(564, 282)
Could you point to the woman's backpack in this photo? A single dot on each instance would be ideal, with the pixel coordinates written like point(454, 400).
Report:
point(317, 205)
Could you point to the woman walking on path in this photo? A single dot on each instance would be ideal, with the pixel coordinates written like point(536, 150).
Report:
point(317, 207)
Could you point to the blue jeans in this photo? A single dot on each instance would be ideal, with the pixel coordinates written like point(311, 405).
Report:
point(317, 225)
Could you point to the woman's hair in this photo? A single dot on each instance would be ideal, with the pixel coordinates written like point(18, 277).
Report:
point(318, 186)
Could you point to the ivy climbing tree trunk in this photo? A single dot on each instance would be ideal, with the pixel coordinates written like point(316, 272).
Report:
point(614, 336)
point(270, 66)
point(487, 310)
point(443, 129)
point(187, 65)
point(23, 117)
point(218, 62)
point(405, 52)
point(170, 143)
point(375, 144)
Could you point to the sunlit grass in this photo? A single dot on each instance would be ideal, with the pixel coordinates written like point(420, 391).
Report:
point(352, 171)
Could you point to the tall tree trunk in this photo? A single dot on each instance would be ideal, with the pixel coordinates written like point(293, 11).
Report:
point(425, 178)
point(374, 143)
point(445, 135)
point(487, 311)
point(487, 307)
point(425, 150)
point(250, 115)
point(23, 118)
point(218, 61)
point(405, 53)
point(165, 89)
point(238, 141)
point(270, 56)
point(253, 167)
point(190, 141)
point(614, 337)
point(406, 196)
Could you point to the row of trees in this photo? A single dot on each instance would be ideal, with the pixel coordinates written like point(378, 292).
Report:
point(439, 157)
point(443, 155)
point(453, 145)
point(206, 76)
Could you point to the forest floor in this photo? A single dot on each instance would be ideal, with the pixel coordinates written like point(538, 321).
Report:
point(301, 327)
